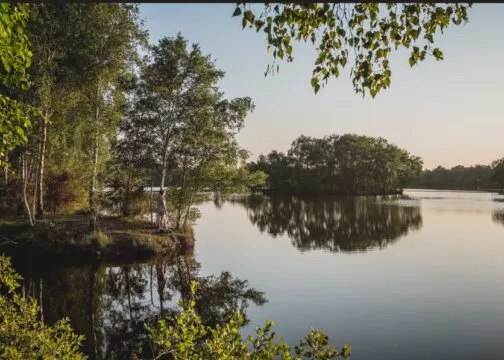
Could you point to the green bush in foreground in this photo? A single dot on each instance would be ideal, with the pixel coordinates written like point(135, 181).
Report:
point(24, 336)
point(189, 339)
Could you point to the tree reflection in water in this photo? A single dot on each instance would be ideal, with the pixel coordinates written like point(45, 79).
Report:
point(344, 224)
point(498, 216)
point(111, 304)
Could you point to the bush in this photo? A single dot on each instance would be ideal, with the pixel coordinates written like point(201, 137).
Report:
point(65, 193)
point(22, 335)
point(98, 240)
point(10, 195)
point(187, 338)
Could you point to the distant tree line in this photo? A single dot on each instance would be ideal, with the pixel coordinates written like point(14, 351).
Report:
point(477, 177)
point(339, 164)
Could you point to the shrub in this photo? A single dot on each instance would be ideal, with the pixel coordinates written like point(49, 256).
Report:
point(65, 193)
point(188, 339)
point(22, 335)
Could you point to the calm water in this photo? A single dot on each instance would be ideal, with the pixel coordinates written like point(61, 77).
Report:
point(416, 277)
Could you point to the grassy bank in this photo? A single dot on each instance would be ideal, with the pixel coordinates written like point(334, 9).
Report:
point(65, 238)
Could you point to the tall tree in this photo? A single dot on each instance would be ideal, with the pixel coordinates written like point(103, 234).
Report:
point(108, 36)
point(182, 119)
point(171, 82)
point(48, 29)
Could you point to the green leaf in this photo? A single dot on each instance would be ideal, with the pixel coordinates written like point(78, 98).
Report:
point(437, 54)
point(6, 63)
point(237, 12)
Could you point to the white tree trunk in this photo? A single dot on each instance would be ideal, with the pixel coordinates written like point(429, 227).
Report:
point(41, 165)
point(24, 177)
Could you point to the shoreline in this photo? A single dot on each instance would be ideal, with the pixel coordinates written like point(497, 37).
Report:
point(67, 239)
point(316, 193)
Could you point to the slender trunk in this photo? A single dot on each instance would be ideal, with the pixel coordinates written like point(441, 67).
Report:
point(150, 204)
point(93, 206)
point(163, 165)
point(165, 156)
point(24, 174)
point(6, 168)
point(127, 191)
point(35, 188)
point(41, 165)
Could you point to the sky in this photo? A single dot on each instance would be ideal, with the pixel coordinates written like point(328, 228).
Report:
point(447, 112)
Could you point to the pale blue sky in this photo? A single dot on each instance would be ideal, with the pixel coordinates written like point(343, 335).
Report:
point(448, 112)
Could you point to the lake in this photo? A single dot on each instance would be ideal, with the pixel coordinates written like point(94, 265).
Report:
point(419, 276)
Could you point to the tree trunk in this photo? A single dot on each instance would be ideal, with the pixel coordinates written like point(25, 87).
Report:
point(6, 168)
point(127, 192)
point(35, 188)
point(163, 165)
point(165, 157)
point(41, 165)
point(93, 206)
point(24, 174)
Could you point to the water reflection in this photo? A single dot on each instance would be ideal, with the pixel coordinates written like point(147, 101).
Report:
point(334, 224)
point(498, 216)
point(111, 304)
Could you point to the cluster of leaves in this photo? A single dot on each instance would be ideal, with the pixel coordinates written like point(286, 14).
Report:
point(364, 34)
point(22, 335)
point(189, 339)
point(346, 164)
point(15, 58)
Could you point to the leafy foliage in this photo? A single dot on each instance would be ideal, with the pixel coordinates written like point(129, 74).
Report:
point(22, 335)
point(363, 34)
point(346, 164)
point(15, 57)
point(189, 339)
